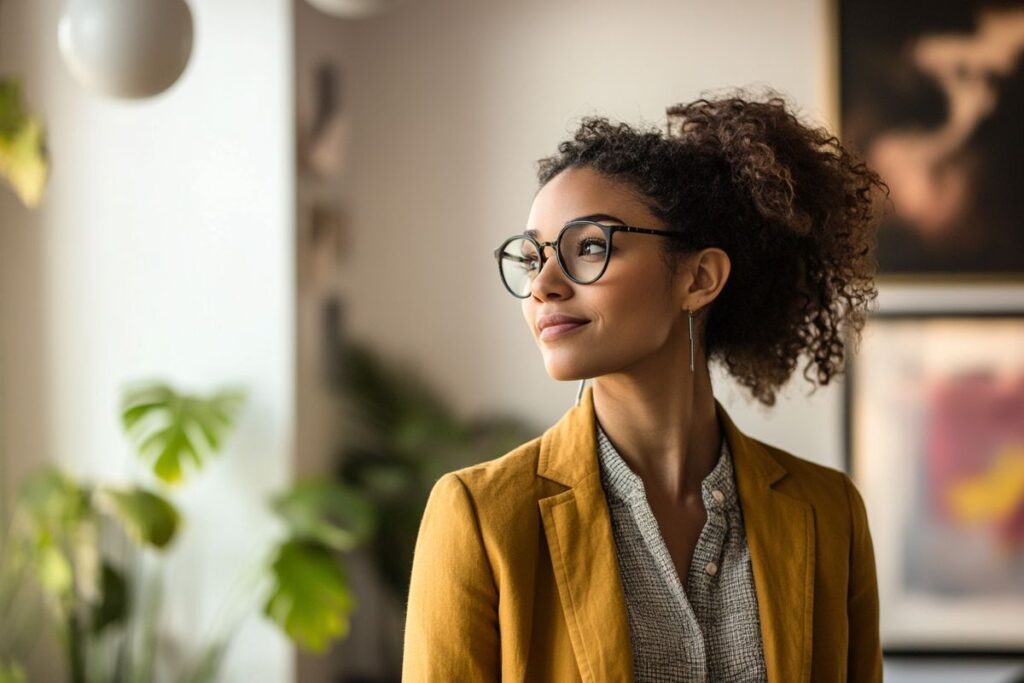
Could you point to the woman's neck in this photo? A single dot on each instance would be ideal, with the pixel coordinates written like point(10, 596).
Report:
point(664, 425)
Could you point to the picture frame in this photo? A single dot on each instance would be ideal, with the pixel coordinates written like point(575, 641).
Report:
point(932, 101)
point(934, 442)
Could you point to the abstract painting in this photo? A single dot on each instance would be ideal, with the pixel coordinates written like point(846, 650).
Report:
point(936, 447)
point(933, 99)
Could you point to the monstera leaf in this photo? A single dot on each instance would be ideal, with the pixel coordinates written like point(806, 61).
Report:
point(146, 517)
point(52, 500)
point(58, 526)
point(331, 513)
point(169, 427)
point(23, 159)
point(55, 520)
point(311, 599)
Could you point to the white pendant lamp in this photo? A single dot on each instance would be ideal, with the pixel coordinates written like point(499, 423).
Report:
point(353, 9)
point(126, 48)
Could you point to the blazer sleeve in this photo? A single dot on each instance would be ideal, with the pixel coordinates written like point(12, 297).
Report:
point(865, 651)
point(451, 623)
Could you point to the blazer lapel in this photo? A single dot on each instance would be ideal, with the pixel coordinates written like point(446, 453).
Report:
point(780, 538)
point(578, 527)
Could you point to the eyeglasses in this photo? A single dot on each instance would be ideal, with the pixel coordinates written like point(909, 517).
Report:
point(582, 249)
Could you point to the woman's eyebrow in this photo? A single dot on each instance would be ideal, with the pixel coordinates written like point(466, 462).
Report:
point(599, 217)
point(592, 217)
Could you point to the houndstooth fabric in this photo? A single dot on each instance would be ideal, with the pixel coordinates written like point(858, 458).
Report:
point(708, 630)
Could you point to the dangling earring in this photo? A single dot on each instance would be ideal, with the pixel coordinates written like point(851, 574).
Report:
point(690, 315)
point(579, 393)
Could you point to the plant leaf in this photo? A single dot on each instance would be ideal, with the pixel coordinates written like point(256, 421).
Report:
point(12, 673)
point(327, 511)
point(53, 570)
point(168, 427)
point(113, 606)
point(311, 599)
point(53, 500)
point(54, 514)
point(84, 552)
point(144, 515)
point(399, 438)
point(23, 157)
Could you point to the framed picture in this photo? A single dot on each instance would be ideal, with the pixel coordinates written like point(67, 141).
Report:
point(935, 445)
point(933, 99)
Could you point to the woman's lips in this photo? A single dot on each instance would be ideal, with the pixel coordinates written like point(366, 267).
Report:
point(555, 331)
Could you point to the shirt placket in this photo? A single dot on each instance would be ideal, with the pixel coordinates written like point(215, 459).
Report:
point(706, 566)
point(696, 657)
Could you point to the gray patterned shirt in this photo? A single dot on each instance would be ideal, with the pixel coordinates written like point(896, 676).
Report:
point(708, 630)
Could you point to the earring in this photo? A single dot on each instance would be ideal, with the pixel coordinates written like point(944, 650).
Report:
point(690, 315)
point(579, 394)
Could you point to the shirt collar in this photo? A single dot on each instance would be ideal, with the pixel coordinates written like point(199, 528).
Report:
point(619, 479)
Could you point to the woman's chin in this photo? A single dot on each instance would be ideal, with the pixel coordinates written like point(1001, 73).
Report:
point(564, 372)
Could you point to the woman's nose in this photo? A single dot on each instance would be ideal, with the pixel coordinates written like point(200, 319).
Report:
point(542, 282)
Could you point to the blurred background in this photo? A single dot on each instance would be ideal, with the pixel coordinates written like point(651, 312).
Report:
point(249, 310)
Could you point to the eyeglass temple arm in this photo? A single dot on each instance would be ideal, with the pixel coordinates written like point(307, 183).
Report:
point(511, 257)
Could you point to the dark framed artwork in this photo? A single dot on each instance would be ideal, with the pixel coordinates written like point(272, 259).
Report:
point(935, 445)
point(933, 99)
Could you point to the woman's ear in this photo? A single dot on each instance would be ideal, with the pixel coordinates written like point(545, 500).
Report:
point(701, 276)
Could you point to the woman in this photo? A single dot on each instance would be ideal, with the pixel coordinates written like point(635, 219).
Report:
point(644, 536)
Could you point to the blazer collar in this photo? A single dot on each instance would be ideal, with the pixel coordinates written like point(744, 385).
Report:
point(780, 537)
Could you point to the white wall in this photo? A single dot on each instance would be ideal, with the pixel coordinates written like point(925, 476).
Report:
point(164, 248)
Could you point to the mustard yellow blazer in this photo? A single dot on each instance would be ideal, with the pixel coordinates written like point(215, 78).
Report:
point(515, 576)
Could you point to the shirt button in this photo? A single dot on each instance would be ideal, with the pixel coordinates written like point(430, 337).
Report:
point(711, 568)
point(719, 496)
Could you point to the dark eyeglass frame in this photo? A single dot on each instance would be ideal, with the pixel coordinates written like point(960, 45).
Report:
point(608, 231)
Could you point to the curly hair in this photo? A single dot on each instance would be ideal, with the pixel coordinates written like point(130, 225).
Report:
point(792, 208)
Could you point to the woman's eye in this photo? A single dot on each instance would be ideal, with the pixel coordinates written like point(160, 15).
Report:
point(586, 244)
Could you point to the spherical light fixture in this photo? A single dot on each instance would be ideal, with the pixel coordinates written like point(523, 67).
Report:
point(353, 9)
point(126, 48)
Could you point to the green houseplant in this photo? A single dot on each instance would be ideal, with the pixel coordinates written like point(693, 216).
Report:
point(55, 539)
point(104, 608)
point(400, 437)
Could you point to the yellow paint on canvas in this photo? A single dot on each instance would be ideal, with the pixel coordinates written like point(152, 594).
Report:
point(993, 494)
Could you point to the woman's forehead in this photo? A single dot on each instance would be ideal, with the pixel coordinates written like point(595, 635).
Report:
point(607, 218)
point(581, 194)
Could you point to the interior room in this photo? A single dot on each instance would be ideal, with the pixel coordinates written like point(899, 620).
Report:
point(259, 358)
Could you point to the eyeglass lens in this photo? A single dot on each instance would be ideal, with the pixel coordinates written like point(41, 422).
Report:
point(583, 249)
